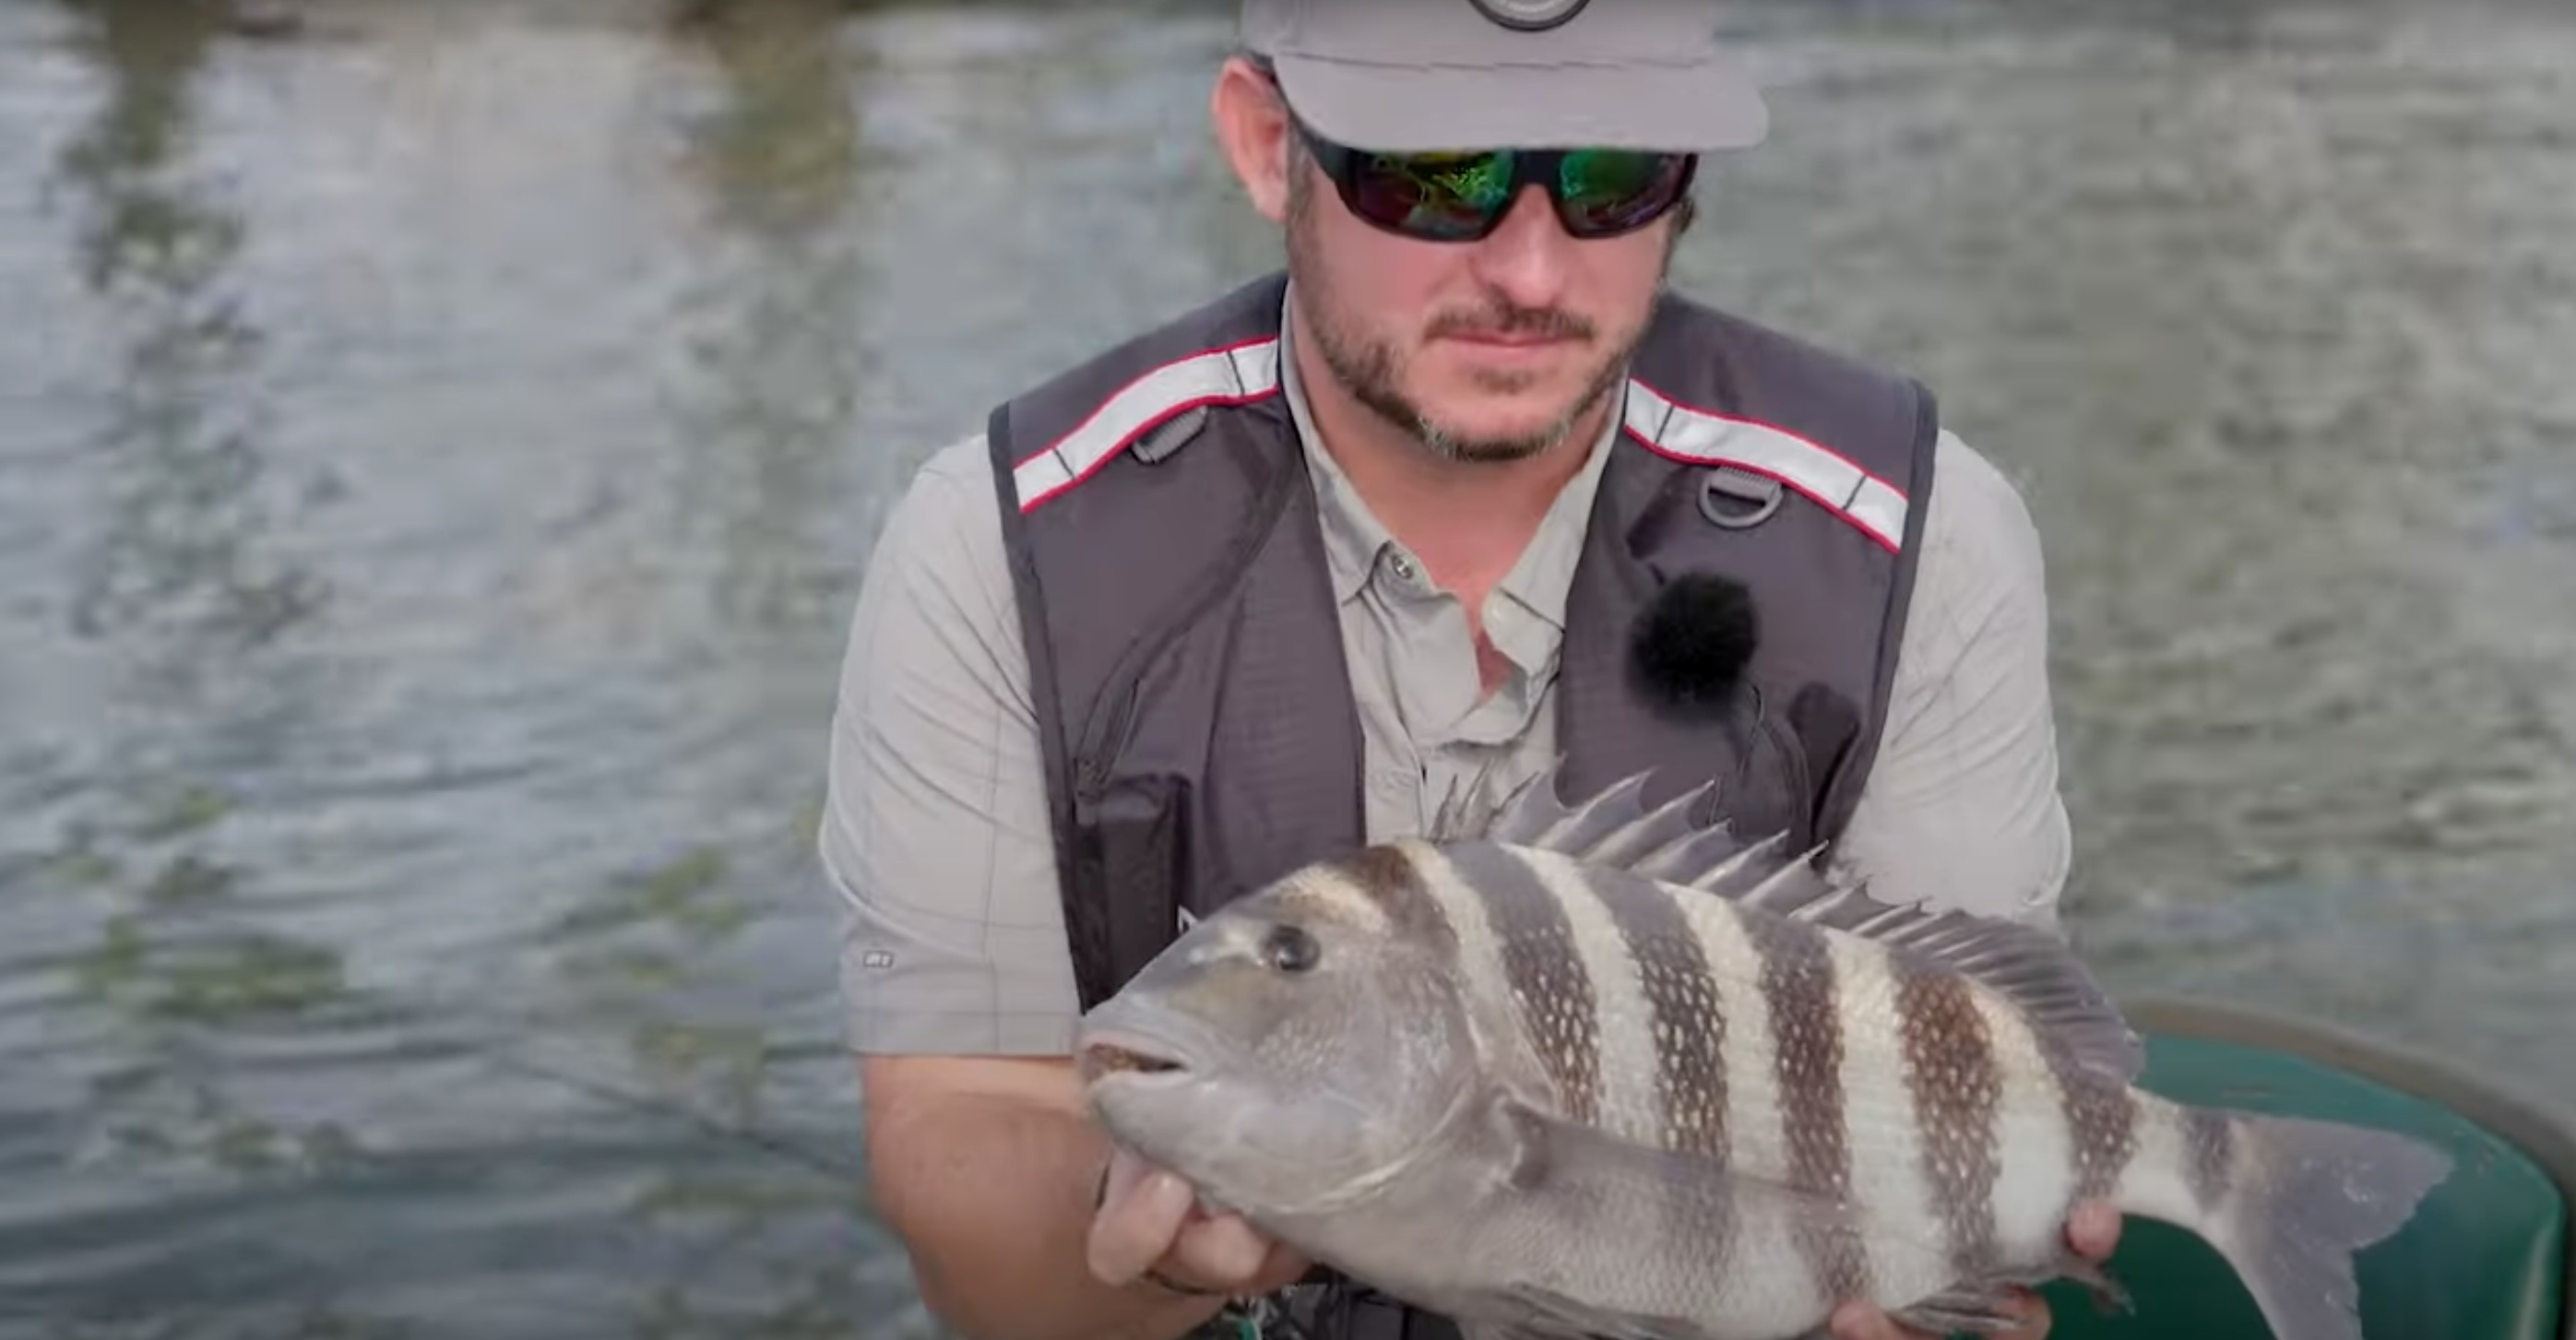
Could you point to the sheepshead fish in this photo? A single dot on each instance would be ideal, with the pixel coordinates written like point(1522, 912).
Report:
point(1598, 1072)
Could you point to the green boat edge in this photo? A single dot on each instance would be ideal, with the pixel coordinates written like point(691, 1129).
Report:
point(2489, 1255)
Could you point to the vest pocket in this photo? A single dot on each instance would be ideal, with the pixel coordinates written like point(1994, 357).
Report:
point(1135, 857)
point(1771, 792)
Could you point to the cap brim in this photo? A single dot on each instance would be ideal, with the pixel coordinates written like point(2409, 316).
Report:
point(1404, 109)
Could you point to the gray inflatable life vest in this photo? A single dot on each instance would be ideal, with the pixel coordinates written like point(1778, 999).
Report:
point(1196, 720)
point(1195, 717)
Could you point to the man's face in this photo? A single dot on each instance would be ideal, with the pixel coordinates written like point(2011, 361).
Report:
point(1486, 350)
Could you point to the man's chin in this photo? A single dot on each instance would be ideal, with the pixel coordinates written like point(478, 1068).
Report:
point(1508, 426)
point(1494, 444)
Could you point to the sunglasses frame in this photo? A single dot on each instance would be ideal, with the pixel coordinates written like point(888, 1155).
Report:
point(1530, 167)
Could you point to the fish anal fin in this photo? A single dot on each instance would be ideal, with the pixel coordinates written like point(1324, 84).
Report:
point(1987, 1305)
point(1970, 1309)
point(1548, 1315)
point(1488, 1330)
point(2110, 1297)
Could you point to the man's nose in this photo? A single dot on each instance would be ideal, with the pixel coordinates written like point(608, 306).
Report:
point(1530, 255)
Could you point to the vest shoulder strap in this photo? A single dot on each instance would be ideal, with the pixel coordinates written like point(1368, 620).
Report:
point(1224, 354)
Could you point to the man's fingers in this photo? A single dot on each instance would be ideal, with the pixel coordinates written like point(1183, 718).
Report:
point(1150, 1217)
point(2034, 1314)
point(1863, 1321)
point(1284, 1266)
point(1119, 1181)
point(2093, 1230)
point(1142, 1212)
point(1222, 1252)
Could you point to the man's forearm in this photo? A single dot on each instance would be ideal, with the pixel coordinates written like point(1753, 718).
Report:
point(993, 1196)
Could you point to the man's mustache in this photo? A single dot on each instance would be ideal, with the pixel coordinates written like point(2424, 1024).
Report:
point(1506, 319)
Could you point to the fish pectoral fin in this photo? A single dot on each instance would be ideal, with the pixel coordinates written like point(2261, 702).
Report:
point(1546, 1153)
point(1530, 1140)
point(1541, 1152)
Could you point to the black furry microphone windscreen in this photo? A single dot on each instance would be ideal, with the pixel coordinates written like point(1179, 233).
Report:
point(1689, 647)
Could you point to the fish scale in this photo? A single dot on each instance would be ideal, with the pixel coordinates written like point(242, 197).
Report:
point(1552, 991)
point(1950, 1072)
point(2030, 1119)
point(1690, 1026)
point(1631, 1087)
point(1562, 1072)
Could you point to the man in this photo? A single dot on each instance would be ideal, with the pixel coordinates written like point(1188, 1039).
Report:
point(1462, 493)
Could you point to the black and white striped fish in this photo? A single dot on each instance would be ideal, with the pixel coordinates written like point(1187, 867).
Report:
point(1593, 1072)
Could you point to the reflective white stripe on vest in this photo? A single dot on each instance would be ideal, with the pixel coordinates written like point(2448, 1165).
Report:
point(1235, 376)
point(1827, 476)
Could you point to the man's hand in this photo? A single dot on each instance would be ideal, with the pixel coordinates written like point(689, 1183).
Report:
point(1150, 1225)
point(2093, 1231)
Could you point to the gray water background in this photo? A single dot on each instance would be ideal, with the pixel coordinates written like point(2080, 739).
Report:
point(439, 448)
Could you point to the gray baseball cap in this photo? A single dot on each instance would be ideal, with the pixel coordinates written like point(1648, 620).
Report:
point(1407, 75)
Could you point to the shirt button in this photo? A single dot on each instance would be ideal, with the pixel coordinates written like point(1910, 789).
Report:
point(1402, 566)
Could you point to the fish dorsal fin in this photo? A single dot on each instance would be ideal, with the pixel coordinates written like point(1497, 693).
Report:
point(2038, 972)
point(1613, 829)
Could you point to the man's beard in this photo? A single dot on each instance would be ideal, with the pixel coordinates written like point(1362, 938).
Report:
point(1367, 369)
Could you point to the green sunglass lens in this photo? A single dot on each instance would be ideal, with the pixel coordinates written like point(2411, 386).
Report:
point(1439, 195)
point(1610, 187)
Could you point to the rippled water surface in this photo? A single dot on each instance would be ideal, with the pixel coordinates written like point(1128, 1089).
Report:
point(442, 441)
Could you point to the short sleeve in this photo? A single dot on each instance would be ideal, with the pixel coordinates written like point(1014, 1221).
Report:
point(1962, 806)
point(935, 836)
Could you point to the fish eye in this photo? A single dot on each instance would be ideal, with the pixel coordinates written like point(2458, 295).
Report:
point(1290, 949)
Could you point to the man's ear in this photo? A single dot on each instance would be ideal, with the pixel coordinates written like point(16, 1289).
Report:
point(1252, 128)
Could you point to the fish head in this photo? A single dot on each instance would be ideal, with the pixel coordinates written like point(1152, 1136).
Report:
point(1304, 1043)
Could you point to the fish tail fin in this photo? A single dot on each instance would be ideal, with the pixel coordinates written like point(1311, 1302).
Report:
point(2305, 1196)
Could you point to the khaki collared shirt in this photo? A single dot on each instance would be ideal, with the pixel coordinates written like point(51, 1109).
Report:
point(934, 834)
point(1426, 724)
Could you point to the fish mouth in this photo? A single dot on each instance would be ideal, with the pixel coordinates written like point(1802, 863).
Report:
point(1106, 1054)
